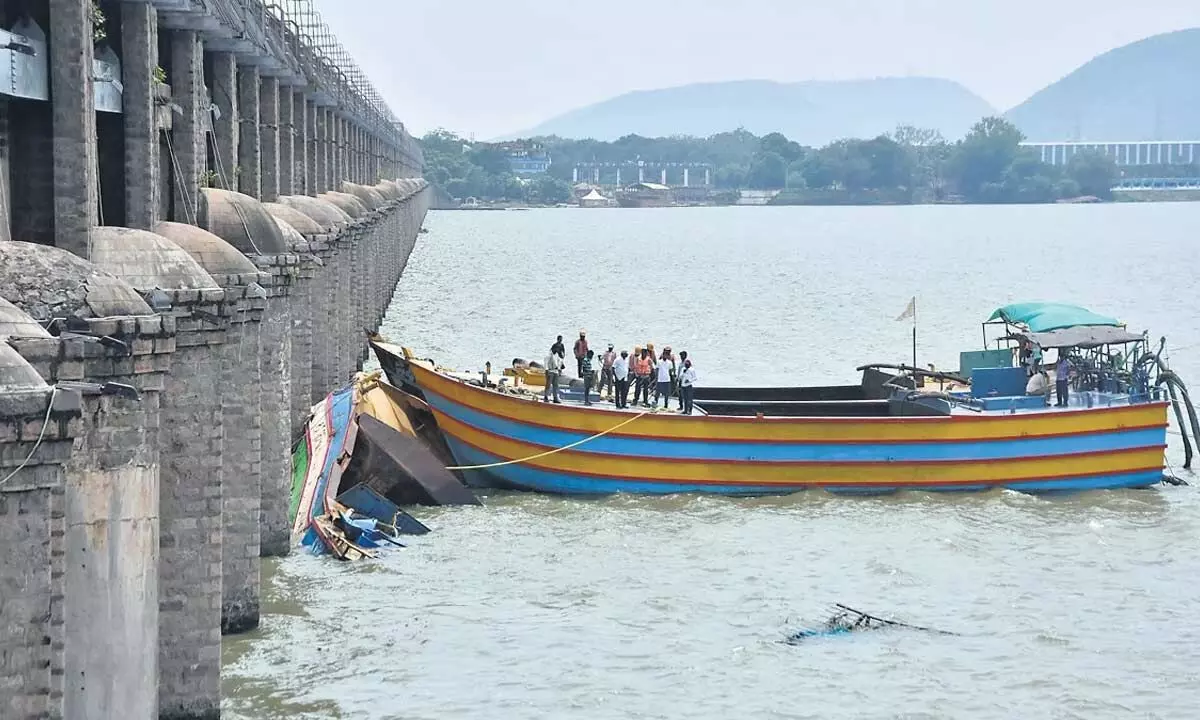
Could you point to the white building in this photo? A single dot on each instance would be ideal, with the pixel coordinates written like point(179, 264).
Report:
point(1143, 152)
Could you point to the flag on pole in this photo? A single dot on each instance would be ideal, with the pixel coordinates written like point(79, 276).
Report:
point(910, 311)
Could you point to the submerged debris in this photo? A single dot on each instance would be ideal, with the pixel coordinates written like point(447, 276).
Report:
point(846, 619)
point(361, 457)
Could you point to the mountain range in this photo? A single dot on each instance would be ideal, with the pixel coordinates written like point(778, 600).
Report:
point(1142, 91)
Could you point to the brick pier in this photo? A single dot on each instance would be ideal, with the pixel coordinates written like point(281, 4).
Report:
point(192, 241)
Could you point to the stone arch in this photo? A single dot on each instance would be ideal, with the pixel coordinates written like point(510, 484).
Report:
point(330, 217)
point(241, 221)
point(14, 322)
point(349, 204)
point(48, 282)
point(209, 250)
point(300, 222)
point(368, 196)
point(147, 260)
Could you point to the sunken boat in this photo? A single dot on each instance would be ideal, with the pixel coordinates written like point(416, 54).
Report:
point(368, 449)
point(899, 427)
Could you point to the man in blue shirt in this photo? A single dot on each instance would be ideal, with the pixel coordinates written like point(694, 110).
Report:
point(1062, 378)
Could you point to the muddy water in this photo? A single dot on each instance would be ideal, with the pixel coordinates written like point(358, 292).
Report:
point(626, 607)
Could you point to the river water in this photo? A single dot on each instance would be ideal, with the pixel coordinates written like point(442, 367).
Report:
point(625, 607)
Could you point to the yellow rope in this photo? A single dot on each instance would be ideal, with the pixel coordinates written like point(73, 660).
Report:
point(618, 426)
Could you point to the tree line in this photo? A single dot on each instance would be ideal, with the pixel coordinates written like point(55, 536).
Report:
point(988, 165)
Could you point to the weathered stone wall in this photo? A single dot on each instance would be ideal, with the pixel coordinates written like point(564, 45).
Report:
point(143, 543)
point(112, 505)
point(275, 402)
point(34, 446)
point(190, 510)
point(241, 473)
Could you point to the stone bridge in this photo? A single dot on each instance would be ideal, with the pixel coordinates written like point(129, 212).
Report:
point(202, 205)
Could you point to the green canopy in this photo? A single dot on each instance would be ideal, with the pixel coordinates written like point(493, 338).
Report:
point(1044, 316)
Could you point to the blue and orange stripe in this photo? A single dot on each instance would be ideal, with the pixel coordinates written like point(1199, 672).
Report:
point(1101, 447)
point(981, 426)
point(987, 449)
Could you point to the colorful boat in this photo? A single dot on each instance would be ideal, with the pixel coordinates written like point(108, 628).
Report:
point(366, 450)
point(889, 432)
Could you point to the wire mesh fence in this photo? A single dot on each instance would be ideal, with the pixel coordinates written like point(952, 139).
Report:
point(300, 43)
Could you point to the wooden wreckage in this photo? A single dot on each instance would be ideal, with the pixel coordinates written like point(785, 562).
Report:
point(367, 451)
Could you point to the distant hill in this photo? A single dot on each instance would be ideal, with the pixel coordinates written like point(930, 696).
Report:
point(1146, 90)
point(812, 113)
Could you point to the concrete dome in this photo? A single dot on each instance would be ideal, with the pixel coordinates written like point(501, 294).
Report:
point(368, 196)
point(293, 238)
point(16, 375)
point(349, 204)
point(324, 213)
point(146, 260)
point(389, 189)
point(208, 250)
point(15, 323)
point(47, 282)
point(299, 222)
point(241, 221)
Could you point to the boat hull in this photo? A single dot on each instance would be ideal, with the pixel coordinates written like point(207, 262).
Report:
point(1075, 449)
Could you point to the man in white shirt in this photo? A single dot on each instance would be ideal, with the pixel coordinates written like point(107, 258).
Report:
point(663, 373)
point(554, 368)
point(620, 370)
point(687, 386)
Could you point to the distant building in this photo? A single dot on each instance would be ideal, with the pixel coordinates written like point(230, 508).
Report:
point(593, 200)
point(525, 158)
point(1141, 152)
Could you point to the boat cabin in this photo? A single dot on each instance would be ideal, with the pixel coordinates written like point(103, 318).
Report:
point(1109, 366)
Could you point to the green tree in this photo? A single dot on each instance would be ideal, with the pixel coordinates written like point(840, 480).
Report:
point(984, 155)
point(730, 176)
point(818, 170)
point(549, 191)
point(1093, 172)
point(891, 166)
point(928, 152)
point(777, 143)
point(768, 171)
point(491, 159)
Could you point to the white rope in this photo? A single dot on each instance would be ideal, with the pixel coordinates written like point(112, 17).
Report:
point(224, 177)
point(41, 436)
point(575, 444)
point(187, 199)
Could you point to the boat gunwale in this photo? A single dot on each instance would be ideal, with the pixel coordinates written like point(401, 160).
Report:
point(982, 416)
point(802, 441)
point(933, 421)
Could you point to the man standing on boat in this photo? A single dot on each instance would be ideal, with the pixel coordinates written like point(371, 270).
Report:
point(620, 372)
point(581, 351)
point(687, 385)
point(1062, 378)
point(663, 374)
point(682, 362)
point(554, 368)
point(585, 372)
point(606, 372)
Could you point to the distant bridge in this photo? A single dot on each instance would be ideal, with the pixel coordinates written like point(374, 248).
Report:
point(1191, 183)
point(666, 173)
point(1124, 154)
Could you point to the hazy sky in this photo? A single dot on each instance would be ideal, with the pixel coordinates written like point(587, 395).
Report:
point(495, 66)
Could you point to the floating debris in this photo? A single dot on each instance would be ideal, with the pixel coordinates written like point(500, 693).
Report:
point(846, 619)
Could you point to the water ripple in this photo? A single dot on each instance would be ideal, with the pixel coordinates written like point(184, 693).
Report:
point(625, 607)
